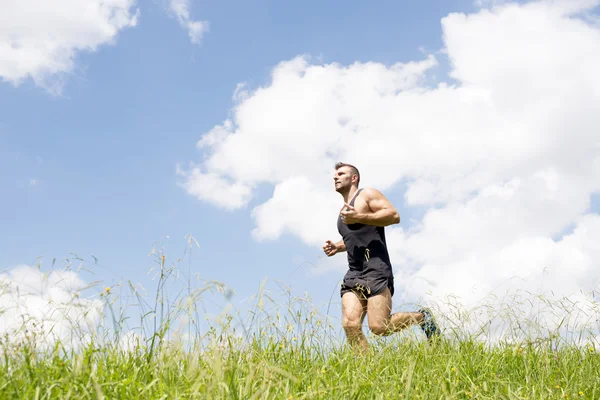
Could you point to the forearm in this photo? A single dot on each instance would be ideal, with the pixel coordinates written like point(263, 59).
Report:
point(341, 246)
point(382, 217)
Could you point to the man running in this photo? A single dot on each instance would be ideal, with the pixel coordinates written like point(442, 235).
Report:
point(368, 285)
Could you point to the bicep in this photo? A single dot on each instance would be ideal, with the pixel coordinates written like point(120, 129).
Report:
point(377, 201)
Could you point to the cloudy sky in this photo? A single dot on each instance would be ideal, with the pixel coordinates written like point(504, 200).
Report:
point(123, 123)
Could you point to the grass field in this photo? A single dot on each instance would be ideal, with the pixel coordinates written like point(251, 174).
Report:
point(284, 351)
point(295, 369)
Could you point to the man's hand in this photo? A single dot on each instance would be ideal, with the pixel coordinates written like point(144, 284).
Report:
point(350, 215)
point(330, 248)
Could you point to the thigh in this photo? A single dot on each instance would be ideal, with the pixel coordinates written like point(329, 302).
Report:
point(353, 308)
point(379, 308)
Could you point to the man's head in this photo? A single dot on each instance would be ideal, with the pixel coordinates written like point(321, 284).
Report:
point(345, 176)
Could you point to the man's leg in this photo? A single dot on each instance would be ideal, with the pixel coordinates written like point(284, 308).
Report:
point(353, 314)
point(381, 323)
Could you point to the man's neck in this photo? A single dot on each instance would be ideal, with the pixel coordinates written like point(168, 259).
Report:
point(350, 194)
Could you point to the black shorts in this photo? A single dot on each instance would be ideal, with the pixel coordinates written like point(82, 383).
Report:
point(365, 287)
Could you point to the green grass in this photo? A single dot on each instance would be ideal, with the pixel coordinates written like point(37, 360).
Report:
point(277, 369)
point(288, 351)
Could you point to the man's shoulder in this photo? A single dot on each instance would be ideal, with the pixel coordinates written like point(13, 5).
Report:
point(370, 192)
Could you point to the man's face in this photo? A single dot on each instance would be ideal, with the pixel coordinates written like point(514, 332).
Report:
point(342, 179)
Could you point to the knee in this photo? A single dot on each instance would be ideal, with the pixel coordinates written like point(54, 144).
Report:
point(379, 329)
point(351, 325)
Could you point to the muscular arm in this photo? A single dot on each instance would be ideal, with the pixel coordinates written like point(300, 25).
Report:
point(383, 213)
point(341, 246)
point(381, 218)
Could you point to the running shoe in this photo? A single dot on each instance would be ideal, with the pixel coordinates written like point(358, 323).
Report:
point(428, 325)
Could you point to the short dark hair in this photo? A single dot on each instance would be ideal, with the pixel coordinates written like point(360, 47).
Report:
point(353, 170)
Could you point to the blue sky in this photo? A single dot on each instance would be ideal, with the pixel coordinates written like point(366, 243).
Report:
point(104, 153)
point(93, 170)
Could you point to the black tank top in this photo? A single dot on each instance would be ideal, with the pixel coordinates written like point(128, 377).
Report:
point(366, 246)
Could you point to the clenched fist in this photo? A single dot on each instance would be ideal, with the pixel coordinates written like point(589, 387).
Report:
point(330, 248)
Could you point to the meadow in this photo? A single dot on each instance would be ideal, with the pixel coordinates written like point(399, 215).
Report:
point(286, 350)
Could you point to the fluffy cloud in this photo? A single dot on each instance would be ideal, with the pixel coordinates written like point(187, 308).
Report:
point(45, 308)
point(196, 29)
point(504, 158)
point(287, 209)
point(213, 188)
point(43, 45)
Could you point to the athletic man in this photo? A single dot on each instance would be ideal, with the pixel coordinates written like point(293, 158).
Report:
point(368, 285)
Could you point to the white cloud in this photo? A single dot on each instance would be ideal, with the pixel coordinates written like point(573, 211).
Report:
point(505, 160)
point(196, 29)
point(215, 189)
point(286, 211)
point(45, 308)
point(532, 282)
point(43, 45)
